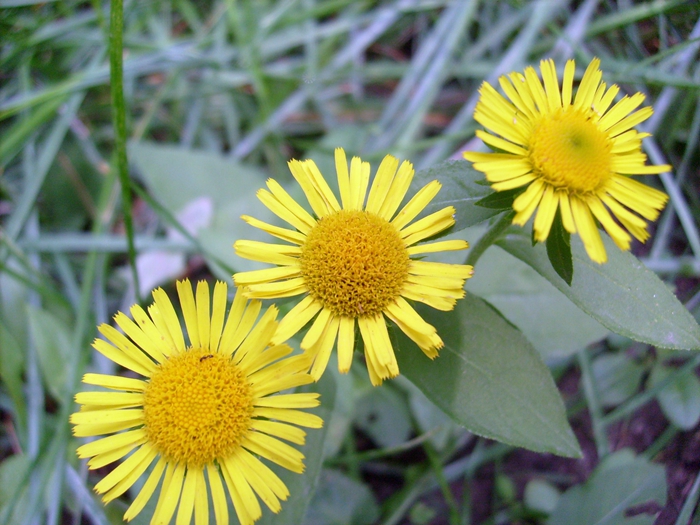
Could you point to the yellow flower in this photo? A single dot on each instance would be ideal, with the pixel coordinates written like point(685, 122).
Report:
point(353, 263)
point(203, 407)
point(575, 158)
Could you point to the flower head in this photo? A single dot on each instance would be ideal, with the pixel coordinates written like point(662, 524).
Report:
point(201, 408)
point(354, 263)
point(574, 158)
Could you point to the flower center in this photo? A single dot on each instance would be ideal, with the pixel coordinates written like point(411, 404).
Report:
point(570, 152)
point(197, 407)
point(354, 262)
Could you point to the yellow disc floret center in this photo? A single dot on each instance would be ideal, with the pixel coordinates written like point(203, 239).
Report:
point(570, 152)
point(354, 262)
point(197, 407)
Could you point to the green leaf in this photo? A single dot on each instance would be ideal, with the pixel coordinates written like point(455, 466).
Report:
point(541, 495)
point(16, 136)
point(617, 378)
point(13, 297)
point(13, 469)
point(52, 340)
point(176, 176)
point(382, 414)
point(341, 500)
point(301, 486)
point(490, 379)
point(429, 418)
point(680, 400)
point(551, 322)
point(622, 294)
point(559, 250)
point(500, 200)
point(11, 370)
point(620, 482)
point(459, 189)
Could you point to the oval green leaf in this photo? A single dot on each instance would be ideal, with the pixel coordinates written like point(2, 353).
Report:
point(621, 481)
point(461, 188)
point(53, 347)
point(549, 320)
point(680, 400)
point(622, 295)
point(176, 176)
point(489, 379)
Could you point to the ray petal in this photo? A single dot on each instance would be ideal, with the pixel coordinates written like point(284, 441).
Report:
point(218, 495)
point(551, 84)
point(218, 313)
point(397, 191)
point(303, 178)
point(323, 347)
point(417, 204)
point(296, 318)
point(293, 206)
point(203, 314)
point(285, 234)
point(567, 83)
point(588, 232)
point(341, 169)
point(618, 235)
point(146, 491)
point(321, 186)
point(189, 311)
point(545, 214)
point(186, 507)
point(167, 311)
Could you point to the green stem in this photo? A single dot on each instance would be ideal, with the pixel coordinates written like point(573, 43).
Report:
point(690, 503)
point(437, 467)
point(661, 442)
point(116, 71)
point(489, 238)
point(601, 438)
point(643, 398)
point(370, 455)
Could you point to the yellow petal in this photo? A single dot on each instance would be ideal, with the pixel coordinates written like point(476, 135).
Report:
point(382, 181)
point(203, 315)
point(397, 191)
point(146, 491)
point(341, 168)
point(296, 318)
point(218, 495)
point(189, 311)
point(281, 233)
point(186, 507)
point(545, 214)
point(323, 348)
point(588, 232)
point(416, 205)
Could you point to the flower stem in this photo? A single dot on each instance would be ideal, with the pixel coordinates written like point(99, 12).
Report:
point(116, 75)
point(594, 406)
point(490, 237)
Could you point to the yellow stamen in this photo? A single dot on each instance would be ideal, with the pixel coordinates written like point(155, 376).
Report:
point(354, 262)
point(569, 151)
point(197, 407)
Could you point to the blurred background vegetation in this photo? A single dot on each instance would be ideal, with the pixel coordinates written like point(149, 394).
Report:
point(218, 96)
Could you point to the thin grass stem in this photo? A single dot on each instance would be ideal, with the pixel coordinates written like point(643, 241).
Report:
point(594, 406)
point(116, 73)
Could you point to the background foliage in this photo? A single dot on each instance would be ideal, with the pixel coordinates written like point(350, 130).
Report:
point(218, 95)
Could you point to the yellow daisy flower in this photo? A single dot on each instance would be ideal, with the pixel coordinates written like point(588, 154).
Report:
point(202, 407)
point(353, 262)
point(575, 158)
